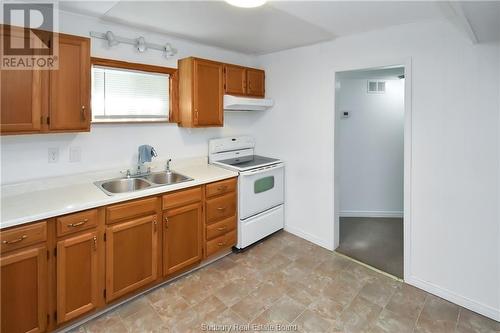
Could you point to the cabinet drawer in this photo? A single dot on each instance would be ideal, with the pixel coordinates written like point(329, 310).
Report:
point(221, 207)
point(221, 187)
point(23, 236)
point(131, 209)
point(223, 242)
point(75, 222)
point(219, 228)
point(181, 198)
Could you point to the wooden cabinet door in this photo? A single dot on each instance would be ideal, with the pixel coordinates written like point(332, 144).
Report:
point(24, 291)
point(255, 82)
point(182, 236)
point(235, 80)
point(131, 255)
point(69, 106)
point(21, 95)
point(77, 275)
point(208, 93)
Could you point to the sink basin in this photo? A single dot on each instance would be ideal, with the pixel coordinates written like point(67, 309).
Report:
point(141, 182)
point(165, 178)
point(124, 185)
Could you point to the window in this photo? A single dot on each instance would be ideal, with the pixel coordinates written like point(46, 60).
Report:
point(124, 92)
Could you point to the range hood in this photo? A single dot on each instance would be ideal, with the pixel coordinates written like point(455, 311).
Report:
point(235, 103)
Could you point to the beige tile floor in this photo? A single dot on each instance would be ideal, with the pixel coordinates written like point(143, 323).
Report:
point(286, 280)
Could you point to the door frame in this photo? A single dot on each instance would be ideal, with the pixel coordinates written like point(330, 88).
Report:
point(407, 182)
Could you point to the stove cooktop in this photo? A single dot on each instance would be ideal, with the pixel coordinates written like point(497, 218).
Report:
point(249, 162)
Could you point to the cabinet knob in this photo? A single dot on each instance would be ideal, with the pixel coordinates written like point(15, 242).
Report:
point(82, 113)
point(166, 222)
point(221, 209)
point(95, 243)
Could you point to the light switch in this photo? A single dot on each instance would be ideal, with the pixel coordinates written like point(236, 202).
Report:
point(75, 154)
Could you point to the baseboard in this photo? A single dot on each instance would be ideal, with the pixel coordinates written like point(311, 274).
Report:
point(374, 213)
point(465, 302)
point(307, 236)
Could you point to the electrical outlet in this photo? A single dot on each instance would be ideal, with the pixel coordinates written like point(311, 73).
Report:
point(53, 155)
point(75, 154)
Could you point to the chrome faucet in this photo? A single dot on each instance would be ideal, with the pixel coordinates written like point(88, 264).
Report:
point(126, 173)
point(167, 166)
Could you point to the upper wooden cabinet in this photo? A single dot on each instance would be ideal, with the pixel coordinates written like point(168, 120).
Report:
point(200, 93)
point(21, 94)
point(21, 108)
point(41, 101)
point(235, 80)
point(255, 82)
point(69, 102)
point(243, 81)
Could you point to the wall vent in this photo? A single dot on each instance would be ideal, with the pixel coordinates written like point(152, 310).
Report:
point(376, 87)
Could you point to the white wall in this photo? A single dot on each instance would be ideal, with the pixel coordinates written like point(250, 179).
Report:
point(454, 216)
point(370, 147)
point(25, 157)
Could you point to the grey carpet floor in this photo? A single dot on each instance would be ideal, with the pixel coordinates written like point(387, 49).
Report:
point(375, 241)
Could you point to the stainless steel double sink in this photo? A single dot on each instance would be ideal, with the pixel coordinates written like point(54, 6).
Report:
point(140, 182)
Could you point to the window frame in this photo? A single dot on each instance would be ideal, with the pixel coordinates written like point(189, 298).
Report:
point(173, 114)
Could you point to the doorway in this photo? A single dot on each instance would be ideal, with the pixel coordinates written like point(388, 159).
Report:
point(370, 120)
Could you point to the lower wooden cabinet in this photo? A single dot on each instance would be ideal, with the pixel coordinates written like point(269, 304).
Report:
point(182, 235)
point(24, 291)
point(131, 255)
point(57, 271)
point(77, 275)
point(220, 216)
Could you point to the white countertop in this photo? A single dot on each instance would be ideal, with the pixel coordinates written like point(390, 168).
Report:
point(41, 199)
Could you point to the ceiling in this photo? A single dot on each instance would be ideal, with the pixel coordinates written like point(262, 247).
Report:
point(280, 25)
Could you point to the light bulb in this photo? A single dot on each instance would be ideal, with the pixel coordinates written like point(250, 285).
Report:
point(246, 3)
point(110, 37)
point(141, 44)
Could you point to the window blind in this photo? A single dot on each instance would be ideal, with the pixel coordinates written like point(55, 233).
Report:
point(128, 95)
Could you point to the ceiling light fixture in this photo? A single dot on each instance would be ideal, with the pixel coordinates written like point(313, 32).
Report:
point(169, 51)
point(246, 3)
point(139, 43)
point(110, 37)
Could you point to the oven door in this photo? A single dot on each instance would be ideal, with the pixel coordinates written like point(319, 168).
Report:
point(260, 189)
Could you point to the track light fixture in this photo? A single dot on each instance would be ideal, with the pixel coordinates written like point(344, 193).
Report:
point(169, 50)
point(110, 37)
point(139, 43)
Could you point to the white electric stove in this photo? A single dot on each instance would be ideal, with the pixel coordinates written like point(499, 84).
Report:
point(260, 187)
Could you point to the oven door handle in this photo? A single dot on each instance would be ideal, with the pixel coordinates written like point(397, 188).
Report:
point(262, 169)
